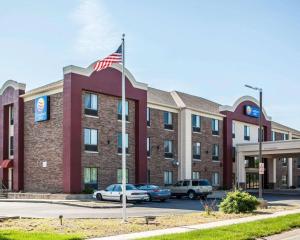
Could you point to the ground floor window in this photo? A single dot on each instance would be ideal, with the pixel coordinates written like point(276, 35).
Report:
point(284, 180)
point(216, 179)
point(196, 175)
point(168, 177)
point(148, 176)
point(298, 181)
point(252, 180)
point(91, 177)
point(119, 175)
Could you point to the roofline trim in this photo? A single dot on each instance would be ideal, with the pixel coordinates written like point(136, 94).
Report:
point(11, 83)
point(239, 101)
point(89, 70)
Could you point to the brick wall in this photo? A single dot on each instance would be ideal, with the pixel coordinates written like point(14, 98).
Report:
point(157, 163)
point(207, 166)
point(107, 160)
point(43, 141)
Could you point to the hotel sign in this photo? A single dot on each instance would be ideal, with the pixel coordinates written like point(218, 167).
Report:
point(252, 111)
point(42, 109)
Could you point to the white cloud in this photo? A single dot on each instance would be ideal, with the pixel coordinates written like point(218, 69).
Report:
point(97, 34)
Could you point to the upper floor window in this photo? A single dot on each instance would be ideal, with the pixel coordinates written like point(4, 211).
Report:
point(233, 130)
point(215, 152)
point(298, 162)
point(90, 139)
point(284, 162)
point(11, 146)
point(91, 104)
point(215, 126)
point(148, 117)
point(168, 120)
point(246, 133)
point(120, 143)
point(168, 148)
point(273, 136)
point(148, 147)
point(260, 135)
point(196, 123)
point(197, 151)
point(11, 115)
point(120, 110)
point(285, 136)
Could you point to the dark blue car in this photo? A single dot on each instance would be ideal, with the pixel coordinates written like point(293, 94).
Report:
point(155, 192)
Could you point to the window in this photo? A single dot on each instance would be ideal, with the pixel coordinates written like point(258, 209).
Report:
point(91, 139)
point(186, 183)
point(148, 147)
point(120, 143)
point(233, 154)
point(168, 121)
point(168, 147)
point(197, 151)
point(90, 176)
point(168, 177)
point(148, 176)
point(284, 162)
point(273, 136)
point(148, 117)
point(284, 180)
point(215, 152)
point(11, 115)
point(298, 162)
point(119, 175)
point(247, 133)
point(233, 130)
point(120, 110)
point(215, 126)
point(215, 179)
point(91, 104)
point(196, 175)
point(196, 123)
point(11, 146)
point(285, 137)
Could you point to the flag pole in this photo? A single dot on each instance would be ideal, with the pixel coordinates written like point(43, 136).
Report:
point(124, 216)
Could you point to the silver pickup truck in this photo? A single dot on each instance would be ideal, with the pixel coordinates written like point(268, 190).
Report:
point(191, 188)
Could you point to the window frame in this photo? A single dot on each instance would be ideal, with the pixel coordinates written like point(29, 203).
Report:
point(195, 173)
point(216, 154)
point(168, 125)
point(148, 117)
point(196, 128)
point(196, 146)
point(119, 175)
point(214, 174)
point(89, 146)
point(89, 110)
point(215, 128)
point(168, 178)
point(148, 147)
point(233, 130)
point(119, 110)
point(246, 136)
point(119, 134)
point(170, 153)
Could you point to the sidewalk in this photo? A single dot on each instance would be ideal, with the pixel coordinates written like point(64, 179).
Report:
point(74, 203)
point(290, 235)
point(184, 229)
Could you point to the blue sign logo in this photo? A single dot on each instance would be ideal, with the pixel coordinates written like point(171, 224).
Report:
point(42, 109)
point(252, 111)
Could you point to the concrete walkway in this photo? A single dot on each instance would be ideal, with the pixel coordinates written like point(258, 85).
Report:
point(290, 235)
point(185, 229)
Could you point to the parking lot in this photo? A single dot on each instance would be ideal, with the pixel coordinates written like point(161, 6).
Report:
point(172, 206)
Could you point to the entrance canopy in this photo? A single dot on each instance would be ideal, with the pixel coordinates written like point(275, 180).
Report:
point(290, 148)
point(275, 149)
point(6, 163)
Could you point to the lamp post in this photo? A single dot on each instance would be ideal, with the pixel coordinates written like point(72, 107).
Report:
point(260, 138)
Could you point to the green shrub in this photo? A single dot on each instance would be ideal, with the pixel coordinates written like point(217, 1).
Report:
point(88, 190)
point(239, 202)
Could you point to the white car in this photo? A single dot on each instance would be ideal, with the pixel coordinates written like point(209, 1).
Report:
point(114, 193)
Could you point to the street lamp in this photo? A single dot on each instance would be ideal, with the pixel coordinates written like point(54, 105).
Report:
point(260, 139)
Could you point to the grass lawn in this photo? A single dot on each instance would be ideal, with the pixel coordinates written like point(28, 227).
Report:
point(17, 235)
point(244, 231)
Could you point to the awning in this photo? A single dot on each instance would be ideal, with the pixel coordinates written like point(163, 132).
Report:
point(8, 163)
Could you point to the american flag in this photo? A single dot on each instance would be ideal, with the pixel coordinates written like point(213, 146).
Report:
point(116, 57)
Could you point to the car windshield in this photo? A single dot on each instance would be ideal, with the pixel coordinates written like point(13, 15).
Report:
point(204, 183)
point(130, 187)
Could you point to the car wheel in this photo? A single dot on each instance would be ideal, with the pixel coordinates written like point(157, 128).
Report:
point(149, 199)
point(99, 196)
point(121, 198)
point(191, 195)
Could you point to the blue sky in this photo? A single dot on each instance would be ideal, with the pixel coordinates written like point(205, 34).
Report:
point(206, 48)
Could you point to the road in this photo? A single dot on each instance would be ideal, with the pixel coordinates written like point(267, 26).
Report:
point(173, 206)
